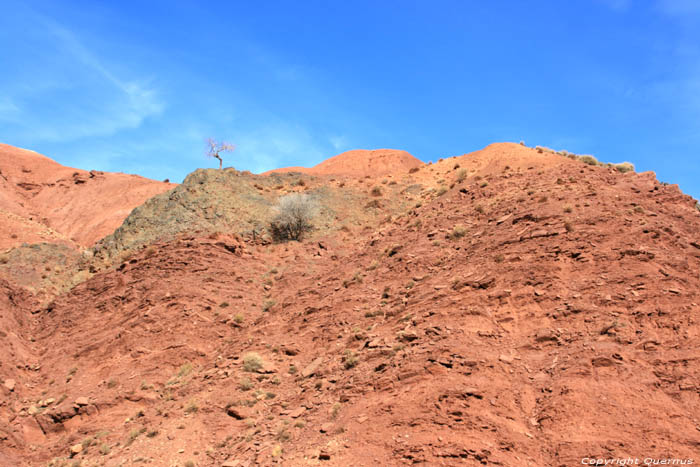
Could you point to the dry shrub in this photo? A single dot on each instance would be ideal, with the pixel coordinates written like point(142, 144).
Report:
point(588, 159)
point(461, 175)
point(295, 212)
point(624, 167)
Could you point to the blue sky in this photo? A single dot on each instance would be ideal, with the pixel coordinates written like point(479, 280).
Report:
point(138, 86)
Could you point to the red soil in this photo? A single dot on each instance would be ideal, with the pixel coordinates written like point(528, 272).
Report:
point(41, 200)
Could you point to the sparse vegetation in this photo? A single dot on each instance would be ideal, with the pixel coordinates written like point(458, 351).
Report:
point(588, 159)
point(376, 191)
point(373, 204)
point(185, 370)
point(461, 175)
point(335, 410)
point(245, 384)
point(86, 443)
point(192, 407)
point(624, 167)
point(356, 279)
point(252, 362)
point(283, 435)
point(458, 231)
point(135, 433)
point(350, 360)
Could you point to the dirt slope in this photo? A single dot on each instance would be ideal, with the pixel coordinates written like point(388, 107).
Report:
point(534, 311)
point(360, 163)
point(43, 201)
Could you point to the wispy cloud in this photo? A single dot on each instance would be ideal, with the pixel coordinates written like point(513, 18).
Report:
point(339, 143)
point(276, 146)
point(69, 93)
point(8, 109)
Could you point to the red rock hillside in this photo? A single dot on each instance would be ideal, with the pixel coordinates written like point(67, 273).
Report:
point(43, 201)
point(360, 163)
point(527, 309)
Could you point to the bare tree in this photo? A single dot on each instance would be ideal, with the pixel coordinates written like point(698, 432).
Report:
point(215, 148)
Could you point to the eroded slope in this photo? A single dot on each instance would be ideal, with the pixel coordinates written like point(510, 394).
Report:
point(534, 311)
point(43, 201)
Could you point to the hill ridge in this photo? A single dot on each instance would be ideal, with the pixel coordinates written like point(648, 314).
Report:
point(505, 307)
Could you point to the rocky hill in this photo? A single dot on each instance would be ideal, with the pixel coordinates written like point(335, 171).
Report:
point(43, 201)
point(510, 307)
point(229, 201)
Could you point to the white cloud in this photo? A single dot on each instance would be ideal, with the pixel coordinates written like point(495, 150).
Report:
point(68, 92)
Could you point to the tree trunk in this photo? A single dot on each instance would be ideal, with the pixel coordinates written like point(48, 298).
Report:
point(221, 162)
